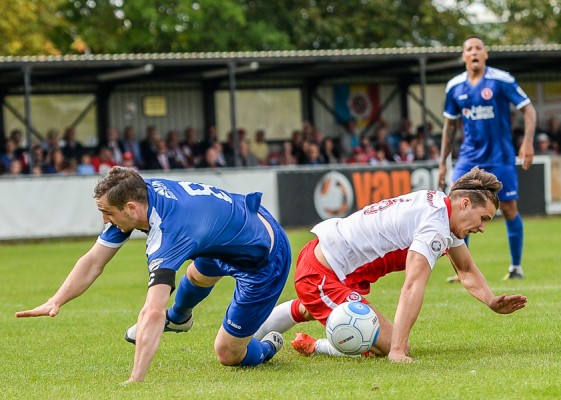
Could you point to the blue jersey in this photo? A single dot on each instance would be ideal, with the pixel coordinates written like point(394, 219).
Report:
point(485, 112)
point(189, 220)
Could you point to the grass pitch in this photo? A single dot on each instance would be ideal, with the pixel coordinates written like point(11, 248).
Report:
point(461, 349)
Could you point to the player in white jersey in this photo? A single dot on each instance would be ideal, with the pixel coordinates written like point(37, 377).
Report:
point(481, 97)
point(410, 233)
point(225, 234)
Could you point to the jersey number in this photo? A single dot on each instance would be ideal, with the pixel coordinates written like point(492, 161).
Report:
point(200, 189)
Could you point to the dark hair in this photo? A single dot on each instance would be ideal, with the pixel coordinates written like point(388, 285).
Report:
point(122, 185)
point(473, 37)
point(479, 186)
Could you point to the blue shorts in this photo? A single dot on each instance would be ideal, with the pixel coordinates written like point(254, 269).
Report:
point(507, 174)
point(256, 292)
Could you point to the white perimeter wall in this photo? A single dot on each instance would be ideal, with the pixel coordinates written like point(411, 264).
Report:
point(62, 206)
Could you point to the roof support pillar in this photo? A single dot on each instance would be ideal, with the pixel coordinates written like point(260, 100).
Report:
point(27, 104)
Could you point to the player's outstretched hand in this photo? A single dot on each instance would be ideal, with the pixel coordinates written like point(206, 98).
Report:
point(507, 304)
point(399, 358)
point(47, 309)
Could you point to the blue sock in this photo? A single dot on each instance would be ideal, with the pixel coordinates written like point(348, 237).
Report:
point(188, 295)
point(257, 353)
point(515, 229)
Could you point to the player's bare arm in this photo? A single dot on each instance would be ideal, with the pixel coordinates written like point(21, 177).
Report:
point(526, 152)
point(151, 321)
point(474, 282)
point(85, 272)
point(448, 136)
point(417, 274)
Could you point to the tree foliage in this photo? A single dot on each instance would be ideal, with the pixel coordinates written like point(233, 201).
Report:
point(25, 26)
point(110, 26)
point(150, 26)
point(526, 21)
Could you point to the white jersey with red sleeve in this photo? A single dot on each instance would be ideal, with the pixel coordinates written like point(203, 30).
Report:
point(374, 241)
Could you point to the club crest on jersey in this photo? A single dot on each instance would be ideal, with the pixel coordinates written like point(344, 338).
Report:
point(437, 245)
point(487, 93)
point(354, 296)
point(163, 190)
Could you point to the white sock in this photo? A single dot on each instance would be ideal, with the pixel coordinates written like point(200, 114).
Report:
point(517, 268)
point(323, 347)
point(280, 320)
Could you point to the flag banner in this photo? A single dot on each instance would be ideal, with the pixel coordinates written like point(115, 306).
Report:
point(358, 102)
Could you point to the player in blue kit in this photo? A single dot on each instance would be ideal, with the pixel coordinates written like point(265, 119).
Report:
point(223, 233)
point(482, 96)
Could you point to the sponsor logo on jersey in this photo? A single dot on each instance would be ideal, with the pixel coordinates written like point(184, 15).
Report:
point(462, 97)
point(487, 93)
point(233, 324)
point(479, 112)
point(354, 296)
point(155, 264)
point(333, 196)
point(430, 197)
point(163, 190)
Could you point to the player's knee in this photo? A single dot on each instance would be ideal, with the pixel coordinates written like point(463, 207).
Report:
point(227, 356)
point(304, 313)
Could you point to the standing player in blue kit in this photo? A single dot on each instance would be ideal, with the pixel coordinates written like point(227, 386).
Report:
point(223, 233)
point(481, 96)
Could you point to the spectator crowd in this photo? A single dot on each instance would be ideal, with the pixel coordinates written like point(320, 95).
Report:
point(64, 154)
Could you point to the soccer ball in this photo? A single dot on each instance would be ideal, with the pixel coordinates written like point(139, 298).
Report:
point(352, 328)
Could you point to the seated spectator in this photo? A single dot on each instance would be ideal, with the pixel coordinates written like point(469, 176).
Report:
point(554, 132)
point(434, 152)
point(113, 142)
point(244, 157)
point(313, 155)
point(52, 142)
point(16, 167)
point(364, 152)
point(72, 148)
point(163, 160)
point(404, 154)
point(85, 167)
point(103, 161)
point(148, 148)
point(17, 136)
point(191, 146)
point(349, 140)
point(298, 144)
point(69, 167)
point(128, 160)
point(382, 137)
point(405, 132)
point(40, 166)
point(175, 150)
point(259, 147)
point(543, 145)
point(329, 153)
point(132, 145)
point(8, 156)
point(211, 159)
point(420, 151)
point(286, 156)
point(55, 160)
point(381, 156)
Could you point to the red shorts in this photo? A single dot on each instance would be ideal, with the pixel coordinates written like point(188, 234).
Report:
point(318, 288)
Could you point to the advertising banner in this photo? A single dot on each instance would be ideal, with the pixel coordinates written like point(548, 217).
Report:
point(308, 196)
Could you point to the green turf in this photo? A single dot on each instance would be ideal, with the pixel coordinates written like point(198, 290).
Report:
point(461, 349)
